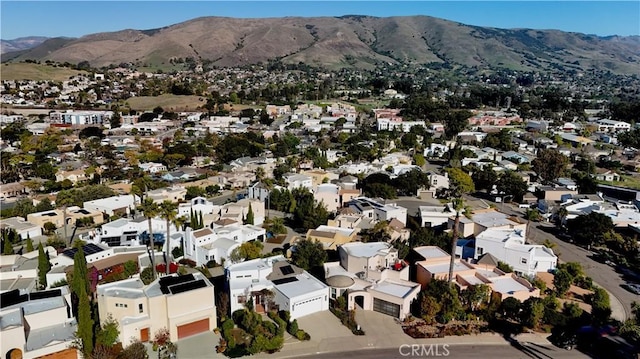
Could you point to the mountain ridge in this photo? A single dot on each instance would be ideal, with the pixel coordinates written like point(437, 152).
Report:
point(346, 41)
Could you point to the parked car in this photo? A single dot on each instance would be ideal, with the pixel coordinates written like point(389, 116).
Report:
point(632, 287)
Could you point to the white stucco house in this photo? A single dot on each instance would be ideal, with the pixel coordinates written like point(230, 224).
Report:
point(274, 283)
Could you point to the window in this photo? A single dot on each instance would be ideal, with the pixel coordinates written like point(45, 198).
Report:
point(523, 260)
point(140, 308)
point(480, 250)
point(242, 299)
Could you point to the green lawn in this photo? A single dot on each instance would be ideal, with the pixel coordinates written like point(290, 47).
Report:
point(627, 181)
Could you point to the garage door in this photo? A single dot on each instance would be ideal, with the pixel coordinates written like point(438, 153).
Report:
point(307, 307)
point(193, 328)
point(387, 308)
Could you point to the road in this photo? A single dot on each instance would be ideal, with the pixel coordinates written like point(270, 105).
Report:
point(466, 351)
point(602, 274)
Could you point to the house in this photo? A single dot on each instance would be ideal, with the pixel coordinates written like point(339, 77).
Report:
point(152, 167)
point(295, 180)
point(238, 211)
point(185, 305)
point(484, 219)
point(319, 176)
point(606, 125)
point(14, 189)
point(197, 205)
point(378, 211)
point(567, 182)
point(331, 237)
point(508, 245)
point(74, 176)
point(436, 265)
point(216, 244)
point(329, 195)
point(129, 231)
point(23, 228)
point(274, 283)
point(548, 193)
point(70, 215)
point(437, 181)
point(171, 194)
point(258, 191)
point(37, 325)
point(116, 205)
point(372, 277)
point(435, 216)
point(607, 175)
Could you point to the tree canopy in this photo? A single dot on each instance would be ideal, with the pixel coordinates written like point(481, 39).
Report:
point(549, 164)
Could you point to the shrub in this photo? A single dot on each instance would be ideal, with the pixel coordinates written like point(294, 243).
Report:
point(188, 262)
point(302, 335)
point(228, 325)
point(293, 327)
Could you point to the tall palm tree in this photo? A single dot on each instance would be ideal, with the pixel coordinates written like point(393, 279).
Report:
point(458, 206)
point(150, 210)
point(168, 211)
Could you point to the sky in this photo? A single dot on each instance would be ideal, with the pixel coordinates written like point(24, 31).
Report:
point(78, 18)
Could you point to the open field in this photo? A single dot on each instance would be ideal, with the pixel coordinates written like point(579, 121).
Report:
point(627, 181)
point(35, 72)
point(167, 102)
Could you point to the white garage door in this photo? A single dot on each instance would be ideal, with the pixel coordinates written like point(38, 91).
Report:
point(306, 307)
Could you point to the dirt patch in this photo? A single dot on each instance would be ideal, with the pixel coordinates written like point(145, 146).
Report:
point(277, 239)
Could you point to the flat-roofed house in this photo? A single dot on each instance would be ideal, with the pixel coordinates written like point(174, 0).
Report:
point(185, 305)
point(120, 205)
point(23, 228)
point(331, 237)
point(37, 325)
point(373, 278)
point(274, 283)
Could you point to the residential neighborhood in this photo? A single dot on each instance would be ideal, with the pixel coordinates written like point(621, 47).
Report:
point(289, 210)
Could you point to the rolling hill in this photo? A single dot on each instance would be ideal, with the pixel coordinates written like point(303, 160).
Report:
point(22, 43)
point(347, 41)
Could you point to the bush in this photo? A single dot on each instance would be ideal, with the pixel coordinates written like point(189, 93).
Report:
point(228, 325)
point(188, 262)
point(302, 335)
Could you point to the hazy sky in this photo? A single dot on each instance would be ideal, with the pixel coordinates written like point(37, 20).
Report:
point(77, 18)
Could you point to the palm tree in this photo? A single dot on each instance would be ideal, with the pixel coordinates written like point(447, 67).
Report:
point(458, 206)
point(168, 211)
point(150, 209)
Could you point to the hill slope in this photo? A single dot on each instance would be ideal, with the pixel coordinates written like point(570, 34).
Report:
point(348, 41)
point(22, 43)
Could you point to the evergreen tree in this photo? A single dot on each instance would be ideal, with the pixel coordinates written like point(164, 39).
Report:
point(200, 220)
point(250, 219)
point(43, 266)
point(80, 287)
point(29, 243)
point(192, 220)
point(8, 246)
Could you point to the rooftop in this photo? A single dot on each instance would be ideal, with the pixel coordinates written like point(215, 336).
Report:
point(396, 289)
point(431, 252)
point(366, 250)
point(303, 284)
point(507, 285)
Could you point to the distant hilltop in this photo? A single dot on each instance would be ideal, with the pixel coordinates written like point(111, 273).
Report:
point(348, 41)
point(22, 43)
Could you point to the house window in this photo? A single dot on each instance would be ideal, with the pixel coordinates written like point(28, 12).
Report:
point(480, 250)
point(242, 299)
point(523, 260)
point(140, 308)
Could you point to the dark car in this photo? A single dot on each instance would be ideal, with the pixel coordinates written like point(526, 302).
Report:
point(632, 287)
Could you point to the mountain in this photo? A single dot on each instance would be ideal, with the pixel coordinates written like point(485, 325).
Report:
point(347, 41)
point(22, 43)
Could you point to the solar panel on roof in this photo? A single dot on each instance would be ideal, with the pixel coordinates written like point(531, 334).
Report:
point(166, 282)
point(185, 287)
point(12, 297)
point(286, 269)
point(45, 294)
point(285, 280)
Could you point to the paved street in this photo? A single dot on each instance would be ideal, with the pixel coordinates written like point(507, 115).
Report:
point(464, 351)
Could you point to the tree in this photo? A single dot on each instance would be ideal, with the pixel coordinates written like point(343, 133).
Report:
point(600, 306)
point(429, 308)
point(309, 254)
point(485, 178)
point(505, 267)
point(108, 332)
point(81, 289)
point(460, 181)
point(475, 295)
point(458, 206)
point(29, 244)
point(44, 205)
point(510, 183)
point(246, 251)
point(549, 164)
point(43, 267)
point(308, 213)
point(135, 350)
point(562, 282)
point(7, 246)
point(194, 191)
point(250, 217)
point(510, 308)
point(532, 312)
point(590, 228)
point(150, 209)
point(168, 211)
